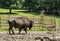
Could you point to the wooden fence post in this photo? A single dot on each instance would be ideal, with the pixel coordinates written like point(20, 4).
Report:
point(0, 21)
point(34, 23)
point(51, 21)
point(9, 16)
point(42, 21)
point(54, 23)
point(39, 22)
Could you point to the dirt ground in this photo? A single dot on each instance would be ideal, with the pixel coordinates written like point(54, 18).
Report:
point(30, 36)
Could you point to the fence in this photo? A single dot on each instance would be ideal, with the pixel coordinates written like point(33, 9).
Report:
point(39, 21)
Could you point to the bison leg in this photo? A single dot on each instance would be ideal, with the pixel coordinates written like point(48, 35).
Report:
point(10, 29)
point(25, 29)
point(20, 30)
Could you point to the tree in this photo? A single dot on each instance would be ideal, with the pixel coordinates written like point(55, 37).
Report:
point(31, 4)
point(7, 4)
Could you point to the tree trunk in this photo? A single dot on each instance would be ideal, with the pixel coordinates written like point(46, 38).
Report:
point(58, 11)
point(10, 11)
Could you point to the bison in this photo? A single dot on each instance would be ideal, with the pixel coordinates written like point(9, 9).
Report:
point(21, 23)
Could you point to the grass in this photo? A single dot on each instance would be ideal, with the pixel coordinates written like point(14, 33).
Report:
point(4, 15)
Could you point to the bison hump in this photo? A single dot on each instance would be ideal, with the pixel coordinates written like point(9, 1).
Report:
point(19, 21)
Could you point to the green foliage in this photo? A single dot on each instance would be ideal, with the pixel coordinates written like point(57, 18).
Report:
point(32, 5)
point(40, 4)
point(6, 3)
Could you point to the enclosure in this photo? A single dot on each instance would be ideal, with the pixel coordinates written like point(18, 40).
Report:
point(44, 26)
point(44, 13)
point(41, 22)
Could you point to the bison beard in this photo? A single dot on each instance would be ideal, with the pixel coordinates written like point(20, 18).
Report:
point(21, 23)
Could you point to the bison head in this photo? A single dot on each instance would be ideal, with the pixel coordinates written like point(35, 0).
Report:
point(31, 24)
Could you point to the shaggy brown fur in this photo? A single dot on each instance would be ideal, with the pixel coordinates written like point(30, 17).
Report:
point(21, 23)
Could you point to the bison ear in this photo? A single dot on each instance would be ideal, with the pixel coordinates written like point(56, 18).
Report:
point(31, 22)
